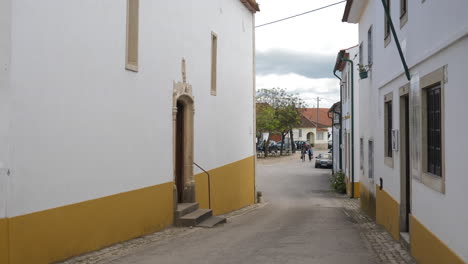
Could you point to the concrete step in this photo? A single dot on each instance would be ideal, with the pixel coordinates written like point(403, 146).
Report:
point(185, 208)
point(212, 221)
point(194, 218)
point(405, 240)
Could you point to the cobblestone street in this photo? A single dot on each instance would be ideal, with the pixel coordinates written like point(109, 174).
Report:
point(380, 241)
point(301, 221)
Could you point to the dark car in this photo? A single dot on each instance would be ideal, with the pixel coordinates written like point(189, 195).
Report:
point(323, 160)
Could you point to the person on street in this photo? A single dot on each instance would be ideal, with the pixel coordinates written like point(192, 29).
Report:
point(311, 154)
point(303, 152)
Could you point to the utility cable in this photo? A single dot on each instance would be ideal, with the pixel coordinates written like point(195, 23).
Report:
point(286, 18)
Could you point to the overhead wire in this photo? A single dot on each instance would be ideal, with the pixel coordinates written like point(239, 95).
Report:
point(301, 14)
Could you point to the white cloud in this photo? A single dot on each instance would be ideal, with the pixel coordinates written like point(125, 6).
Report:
point(319, 34)
point(309, 89)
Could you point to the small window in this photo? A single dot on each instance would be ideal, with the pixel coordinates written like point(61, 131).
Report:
point(214, 62)
point(132, 35)
point(403, 12)
point(320, 135)
point(387, 24)
point(361, 153)
point(300, 132)
point(369, 47)
point(388, 129)
point(403, 7)
point(345, 88)
point(434, 128)
point(371, 159)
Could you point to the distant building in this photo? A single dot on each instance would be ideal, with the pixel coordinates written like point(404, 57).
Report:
point(101, 121)
point(411, 128)
point(315, 131)
point(349, 132)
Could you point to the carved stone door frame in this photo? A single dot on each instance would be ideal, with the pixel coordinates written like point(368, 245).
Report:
point(182, 93)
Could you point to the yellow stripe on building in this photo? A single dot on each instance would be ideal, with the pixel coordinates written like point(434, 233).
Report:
point(63, 232)
point(367, 200)
point(4, 250)
point(232, 186)
point(427, 248)
point(388, 212)
point(349, 190)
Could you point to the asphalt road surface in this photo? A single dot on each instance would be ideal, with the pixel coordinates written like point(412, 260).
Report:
point(301, 221)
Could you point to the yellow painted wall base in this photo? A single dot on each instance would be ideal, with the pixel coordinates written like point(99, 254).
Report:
point(4, 250)
point(367, 200)
point(63, 232)
point(388, 212)
point(349, 190)
point(232, 186)
point(427, 248)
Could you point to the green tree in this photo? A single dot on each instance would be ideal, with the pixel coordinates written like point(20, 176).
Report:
point(280, 113)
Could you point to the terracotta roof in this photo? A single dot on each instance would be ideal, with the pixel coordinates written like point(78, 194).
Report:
point(252, 5)
point(323, 119)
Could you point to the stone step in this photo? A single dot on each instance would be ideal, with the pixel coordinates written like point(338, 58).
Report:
point(185, 208)
point(194, 218)
point(212, 221)
point(405, 240)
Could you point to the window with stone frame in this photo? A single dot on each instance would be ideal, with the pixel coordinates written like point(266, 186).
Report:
point(132, 35)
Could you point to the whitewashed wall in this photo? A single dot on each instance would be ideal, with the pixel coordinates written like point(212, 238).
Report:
point(347, 105)
point(5, 56)
point(435, 35)
point(83, 127)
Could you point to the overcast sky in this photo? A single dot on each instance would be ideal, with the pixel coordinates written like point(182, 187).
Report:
point(299, 54)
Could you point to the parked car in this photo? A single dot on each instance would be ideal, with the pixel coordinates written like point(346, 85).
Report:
point(299, 144)
point(323, 160)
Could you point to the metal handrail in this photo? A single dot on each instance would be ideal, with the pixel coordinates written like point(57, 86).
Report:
point(209, 184)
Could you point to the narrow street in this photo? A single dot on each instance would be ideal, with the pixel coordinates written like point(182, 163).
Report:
point(301, 221)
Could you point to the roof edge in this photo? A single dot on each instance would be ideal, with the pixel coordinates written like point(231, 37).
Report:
point(251, 5)
point(349, 3)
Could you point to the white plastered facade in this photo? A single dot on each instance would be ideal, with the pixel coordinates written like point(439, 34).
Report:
point(347, 104)
point(435, 37)
point(75, 125)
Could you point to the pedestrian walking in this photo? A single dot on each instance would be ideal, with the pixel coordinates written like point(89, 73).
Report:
point(303, 152)
point(311, 153)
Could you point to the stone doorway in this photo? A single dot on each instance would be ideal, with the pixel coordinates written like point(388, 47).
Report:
point(183, 115)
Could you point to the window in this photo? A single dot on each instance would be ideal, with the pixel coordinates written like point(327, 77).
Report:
point(388, 129)
point(132, 35)
point(369, 47)
point(300, 132)
point(371, 159)
point(361, 153)
point(320, 135)
point(432, 129)
point(434, 136)
point(403, 12)
point(345, 88)
point(388, 125)
point(214, 58)
point(387, 24)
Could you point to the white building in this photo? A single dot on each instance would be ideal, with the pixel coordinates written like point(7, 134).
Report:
point(91, 98)
point(413, 178)
point(315, 128)
point(346, 63)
